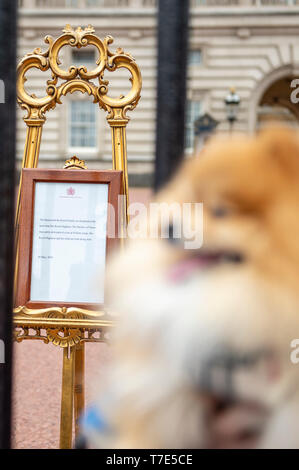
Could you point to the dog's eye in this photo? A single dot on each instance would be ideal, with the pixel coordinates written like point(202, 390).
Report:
point(220, 211)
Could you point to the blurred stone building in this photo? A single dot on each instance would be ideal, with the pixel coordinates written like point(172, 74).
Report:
point(252, 45)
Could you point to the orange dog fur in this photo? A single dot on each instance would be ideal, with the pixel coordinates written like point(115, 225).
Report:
point(232, 316)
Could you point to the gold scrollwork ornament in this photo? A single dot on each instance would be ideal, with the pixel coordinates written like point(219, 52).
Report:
point(78, 78)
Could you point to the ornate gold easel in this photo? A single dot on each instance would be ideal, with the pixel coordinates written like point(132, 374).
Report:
point(71, 327)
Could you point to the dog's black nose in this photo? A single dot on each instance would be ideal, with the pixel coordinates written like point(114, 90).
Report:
point(218, 371)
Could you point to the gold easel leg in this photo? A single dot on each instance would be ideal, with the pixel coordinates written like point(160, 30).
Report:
point(66, 418)
point(79, 390)
point(30, 160)
point(119, 156)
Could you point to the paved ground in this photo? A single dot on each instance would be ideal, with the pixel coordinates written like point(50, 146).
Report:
point(37, 383)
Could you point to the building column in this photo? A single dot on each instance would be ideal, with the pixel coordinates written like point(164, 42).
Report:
point(7, 193)
point(171, 99)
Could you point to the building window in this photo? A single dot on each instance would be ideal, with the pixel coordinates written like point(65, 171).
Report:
point(192, 113)
point(84, 57)
point(195, 57)
point(82, 125)
point(70, 3)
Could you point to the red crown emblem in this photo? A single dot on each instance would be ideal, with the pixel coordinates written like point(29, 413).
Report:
point(70, 191)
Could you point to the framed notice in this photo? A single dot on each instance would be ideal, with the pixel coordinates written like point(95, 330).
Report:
point(68, 226)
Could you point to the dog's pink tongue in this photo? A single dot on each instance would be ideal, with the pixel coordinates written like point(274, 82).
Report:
point(180, 271)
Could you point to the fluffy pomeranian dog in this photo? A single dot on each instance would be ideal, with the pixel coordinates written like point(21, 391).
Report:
point(202, 351)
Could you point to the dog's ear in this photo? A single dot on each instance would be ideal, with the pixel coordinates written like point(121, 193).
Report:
point(281, 144)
